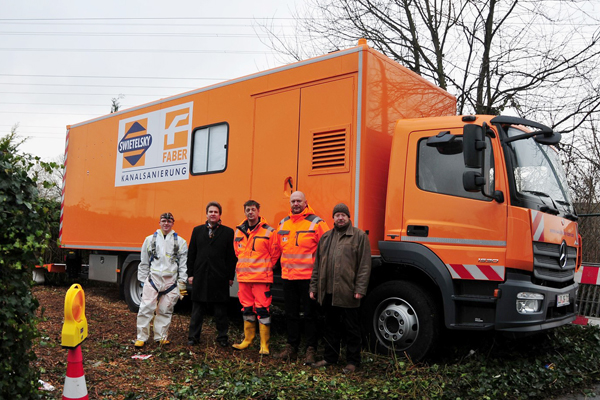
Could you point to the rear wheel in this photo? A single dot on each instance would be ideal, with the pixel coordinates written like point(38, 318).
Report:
point(132, 288)
point(401, 317)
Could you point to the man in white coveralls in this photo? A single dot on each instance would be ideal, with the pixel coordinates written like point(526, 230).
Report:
point(163, 273)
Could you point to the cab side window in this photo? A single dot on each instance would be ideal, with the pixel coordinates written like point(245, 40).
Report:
point(440, 169)
point(209, 149)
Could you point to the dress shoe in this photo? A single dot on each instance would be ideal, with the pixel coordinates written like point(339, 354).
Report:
point(321, 363)
point(310, 356)
point(349, 369)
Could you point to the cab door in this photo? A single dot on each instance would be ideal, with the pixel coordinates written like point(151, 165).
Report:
point(466, 230)
point(303, 141)
point(275, 153)
point(327, 127)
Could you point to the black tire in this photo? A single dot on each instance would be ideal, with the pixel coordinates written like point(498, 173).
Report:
point(132, 288)
point(401, 317)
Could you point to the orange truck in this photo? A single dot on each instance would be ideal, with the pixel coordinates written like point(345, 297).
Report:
point(468, 217)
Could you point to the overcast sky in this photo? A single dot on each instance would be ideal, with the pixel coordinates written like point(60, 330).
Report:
point(63, 61)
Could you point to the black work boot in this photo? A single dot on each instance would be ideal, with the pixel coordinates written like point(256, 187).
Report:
point(289, 352)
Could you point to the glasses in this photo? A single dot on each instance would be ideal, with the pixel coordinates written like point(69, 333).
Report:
point(166, 221)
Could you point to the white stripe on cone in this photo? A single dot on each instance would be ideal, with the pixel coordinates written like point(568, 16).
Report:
point(75, 388)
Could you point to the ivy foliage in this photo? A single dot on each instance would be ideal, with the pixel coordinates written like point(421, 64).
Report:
point(482, 365)
point(23, 239)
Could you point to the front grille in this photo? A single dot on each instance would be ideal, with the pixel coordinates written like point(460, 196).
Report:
point(546, 264)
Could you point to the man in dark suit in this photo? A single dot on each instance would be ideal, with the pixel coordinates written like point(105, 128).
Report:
point(211, 270)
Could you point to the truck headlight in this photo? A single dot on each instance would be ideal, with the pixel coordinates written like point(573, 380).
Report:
point(528, 303)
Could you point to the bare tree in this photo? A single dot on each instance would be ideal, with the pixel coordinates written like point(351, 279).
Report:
point(528, 55)
point(115, 103)
point(582, 155)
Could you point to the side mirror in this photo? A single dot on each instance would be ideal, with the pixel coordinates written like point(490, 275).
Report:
point(473, 146)
point(553, 139)
point(473, 181)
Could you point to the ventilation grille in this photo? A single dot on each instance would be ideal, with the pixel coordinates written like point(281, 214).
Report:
point(329, 149)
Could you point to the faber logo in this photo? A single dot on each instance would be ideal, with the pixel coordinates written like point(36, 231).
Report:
point(154, 147)
point(177, 126)
point(135, 143)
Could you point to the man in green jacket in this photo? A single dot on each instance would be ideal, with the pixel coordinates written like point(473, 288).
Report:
point(339, 280)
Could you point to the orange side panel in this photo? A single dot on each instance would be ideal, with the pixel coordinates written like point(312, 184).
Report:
point(328, 108)
point(273, 119)
point(519, 250)
point(390, 94)
point(100, 214)
point(274, 163)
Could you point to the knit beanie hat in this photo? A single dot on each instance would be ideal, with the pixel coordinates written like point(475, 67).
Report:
point(341, 208)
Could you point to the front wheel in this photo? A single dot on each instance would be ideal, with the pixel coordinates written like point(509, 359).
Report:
point(132, 288)
point(401, 317)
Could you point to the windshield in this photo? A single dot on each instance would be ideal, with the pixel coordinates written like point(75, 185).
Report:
point(538, 172)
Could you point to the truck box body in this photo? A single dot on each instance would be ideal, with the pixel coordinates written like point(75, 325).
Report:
point(323, 126)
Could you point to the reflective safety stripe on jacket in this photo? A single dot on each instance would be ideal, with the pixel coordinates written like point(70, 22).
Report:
point(298, 236)
point(256, 253)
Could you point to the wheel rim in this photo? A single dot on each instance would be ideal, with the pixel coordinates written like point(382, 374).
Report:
point(135, 289)
point(396, 324)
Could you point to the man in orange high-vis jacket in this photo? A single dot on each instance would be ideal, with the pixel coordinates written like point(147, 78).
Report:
point(254, 244)
point(297, 239)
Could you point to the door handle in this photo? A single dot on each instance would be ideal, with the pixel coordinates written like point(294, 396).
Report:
point(417, 230)
point(288, 186)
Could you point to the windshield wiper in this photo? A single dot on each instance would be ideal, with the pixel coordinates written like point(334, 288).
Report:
point(572, 217)
point(545, 207)
point(568, 214)
point(536, 193)
point(563, 202)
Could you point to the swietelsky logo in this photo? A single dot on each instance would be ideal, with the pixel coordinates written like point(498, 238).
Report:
point(135, 144)
point(154, 147)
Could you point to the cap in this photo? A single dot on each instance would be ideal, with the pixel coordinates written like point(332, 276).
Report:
point(341, 208)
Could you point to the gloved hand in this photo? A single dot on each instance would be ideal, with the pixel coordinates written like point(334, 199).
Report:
point(182, 289)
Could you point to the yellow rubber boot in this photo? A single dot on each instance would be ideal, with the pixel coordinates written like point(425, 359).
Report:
point(265, 336)
point(249, 335)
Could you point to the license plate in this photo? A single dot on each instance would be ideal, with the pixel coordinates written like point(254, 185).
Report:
point(562, 300)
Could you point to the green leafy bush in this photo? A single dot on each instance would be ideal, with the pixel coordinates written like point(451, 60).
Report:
point(23, 238)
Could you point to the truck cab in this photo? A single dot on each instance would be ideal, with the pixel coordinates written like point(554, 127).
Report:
point(480, 233)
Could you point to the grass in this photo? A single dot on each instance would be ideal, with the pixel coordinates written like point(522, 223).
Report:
point(536, 367)
point(468, 365)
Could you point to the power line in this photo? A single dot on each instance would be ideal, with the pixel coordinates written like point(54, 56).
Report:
point(153, 24)
point(144, 34)
point(183, 51)
point(30, 126)
point(29, 113)
point(43, 134)
point(103, 86)
point(113, 77)
point(148, 18)
point(87, 94)
point(58, 104)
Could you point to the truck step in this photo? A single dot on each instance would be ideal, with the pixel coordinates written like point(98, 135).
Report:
point(474, 326)
point(474, 298)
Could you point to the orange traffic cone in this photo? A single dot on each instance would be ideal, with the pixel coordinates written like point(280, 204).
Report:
point(75, 387)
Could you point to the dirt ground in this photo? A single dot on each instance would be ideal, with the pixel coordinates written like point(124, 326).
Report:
point(109, 368)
